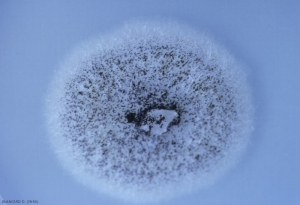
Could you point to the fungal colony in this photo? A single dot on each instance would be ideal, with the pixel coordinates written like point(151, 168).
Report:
point(150, 111)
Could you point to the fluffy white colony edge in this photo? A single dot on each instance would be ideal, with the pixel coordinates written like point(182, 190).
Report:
point(150, 111)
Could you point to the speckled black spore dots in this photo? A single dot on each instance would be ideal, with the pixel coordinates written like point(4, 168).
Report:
point(150, 111)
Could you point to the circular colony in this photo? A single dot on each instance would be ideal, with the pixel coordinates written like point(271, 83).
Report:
point(149, 111)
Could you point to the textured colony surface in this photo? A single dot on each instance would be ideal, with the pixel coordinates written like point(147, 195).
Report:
point(149, 111)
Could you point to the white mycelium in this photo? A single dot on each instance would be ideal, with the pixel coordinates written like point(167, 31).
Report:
point(149, 111)
point(157, 121)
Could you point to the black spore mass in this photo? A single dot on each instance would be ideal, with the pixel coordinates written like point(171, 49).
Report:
point(149, 110)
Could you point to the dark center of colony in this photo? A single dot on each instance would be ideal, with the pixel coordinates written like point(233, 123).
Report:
point(154, 120)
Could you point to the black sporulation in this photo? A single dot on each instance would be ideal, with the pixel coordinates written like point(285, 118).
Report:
point(108, 100)
point(148, 92)
point(139, 118)
point(131, 117)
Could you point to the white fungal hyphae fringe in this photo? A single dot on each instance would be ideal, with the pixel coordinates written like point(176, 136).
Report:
point(151, 111)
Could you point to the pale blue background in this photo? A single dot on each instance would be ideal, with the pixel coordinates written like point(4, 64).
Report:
point(36, 35)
